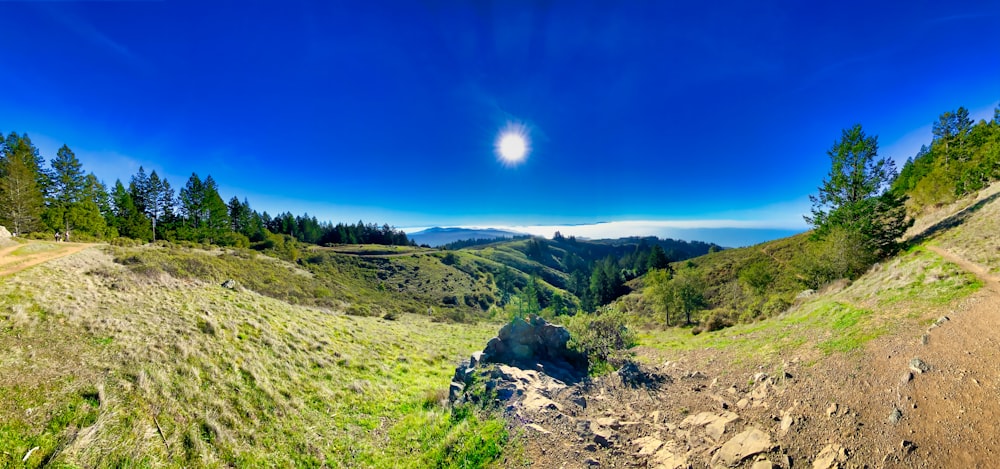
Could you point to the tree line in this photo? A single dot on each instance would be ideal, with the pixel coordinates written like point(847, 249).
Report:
point(62, 198)
point(962, 158)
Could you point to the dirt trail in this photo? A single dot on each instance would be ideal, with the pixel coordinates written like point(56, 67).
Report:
point(983, 273)
point(951, 411)
point(10, 263)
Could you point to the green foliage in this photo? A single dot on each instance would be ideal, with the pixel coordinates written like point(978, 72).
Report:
point(962, 159)
point(855, 197)
point(758, 276)
point(606, 282)
point(603, 336)
point(22, 185)
point(678, 295)
point(842, 253)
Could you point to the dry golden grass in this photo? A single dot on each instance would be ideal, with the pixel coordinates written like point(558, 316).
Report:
point(975, 238)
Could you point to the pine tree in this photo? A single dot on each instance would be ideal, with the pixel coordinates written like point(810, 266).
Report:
point(129, 221)
point(192, 201)
point(855, 196)
point(67, 187)
point(216, 212)
point(20, 197)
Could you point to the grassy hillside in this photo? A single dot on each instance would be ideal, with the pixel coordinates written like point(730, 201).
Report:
point(747, 284)
point(841, 318)
point(739, 285)
point(112, 366)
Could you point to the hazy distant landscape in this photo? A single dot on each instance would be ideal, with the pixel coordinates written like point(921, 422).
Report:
point(484, 235)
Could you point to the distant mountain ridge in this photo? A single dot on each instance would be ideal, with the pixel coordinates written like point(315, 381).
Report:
point(438, 236)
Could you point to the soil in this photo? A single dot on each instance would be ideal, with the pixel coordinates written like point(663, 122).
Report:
point(864, 409)
point(10, 263)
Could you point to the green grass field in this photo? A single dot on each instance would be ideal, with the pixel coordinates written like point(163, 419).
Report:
point(111, 367)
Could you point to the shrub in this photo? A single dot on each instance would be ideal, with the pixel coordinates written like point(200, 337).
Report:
point(603, 337)
point(717, 320)
point(126, 242)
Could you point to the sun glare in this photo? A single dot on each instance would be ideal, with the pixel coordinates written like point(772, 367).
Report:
point(512, 145)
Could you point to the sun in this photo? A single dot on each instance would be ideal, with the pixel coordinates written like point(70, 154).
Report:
point(512, 145)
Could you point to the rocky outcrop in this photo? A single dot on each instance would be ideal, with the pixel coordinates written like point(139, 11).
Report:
point(528, 354)
point(528, 344)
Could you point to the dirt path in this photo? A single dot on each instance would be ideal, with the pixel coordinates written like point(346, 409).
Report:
point(11, 263)
point(951, 411)
point(983, 273)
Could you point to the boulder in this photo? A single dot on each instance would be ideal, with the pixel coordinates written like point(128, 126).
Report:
point(528, 344)
point(919, 366)
point(748, 443)
point(4, 234)
point(830, 456)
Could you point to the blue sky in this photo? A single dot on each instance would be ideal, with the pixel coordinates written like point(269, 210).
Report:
point(688, 114)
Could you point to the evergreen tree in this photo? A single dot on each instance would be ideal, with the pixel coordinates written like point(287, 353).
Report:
point(129, 221)
point(20, 196)
point(139, 189)
point(605, 282)
point(216, 222)
point(21, 145)
point(66, 193)
point(157, 197)
point(95, 190)
point(657, 258)
point(854, 195)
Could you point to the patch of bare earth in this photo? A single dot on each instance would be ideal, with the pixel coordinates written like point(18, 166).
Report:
point(11, 262)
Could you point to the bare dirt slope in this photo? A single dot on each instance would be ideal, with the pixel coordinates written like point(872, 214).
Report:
point(18, 257)
point(913, 382)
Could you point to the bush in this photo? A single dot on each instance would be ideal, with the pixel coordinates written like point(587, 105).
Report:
point(717, 320)
point(603, 337)
point(126, 242)
point(356, 309)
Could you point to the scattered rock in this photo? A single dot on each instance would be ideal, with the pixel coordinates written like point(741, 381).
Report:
point(748, 443)
point(538, 428)
point(831, 409)
point(924, 339)
point(830, 456)
point(941, 320)
point(635, 375)
point(760, 392)
point(592, 462)
point(787, 420)
point(534, 400)
point(907, 377)
point(918, 366)
point(609, 422)
point(715, 424)
point(230, 284)
point(895, 416)
point(604, 436)
point(763, 464)
point(805, 294)
point(668, 457)
point(647, 445)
